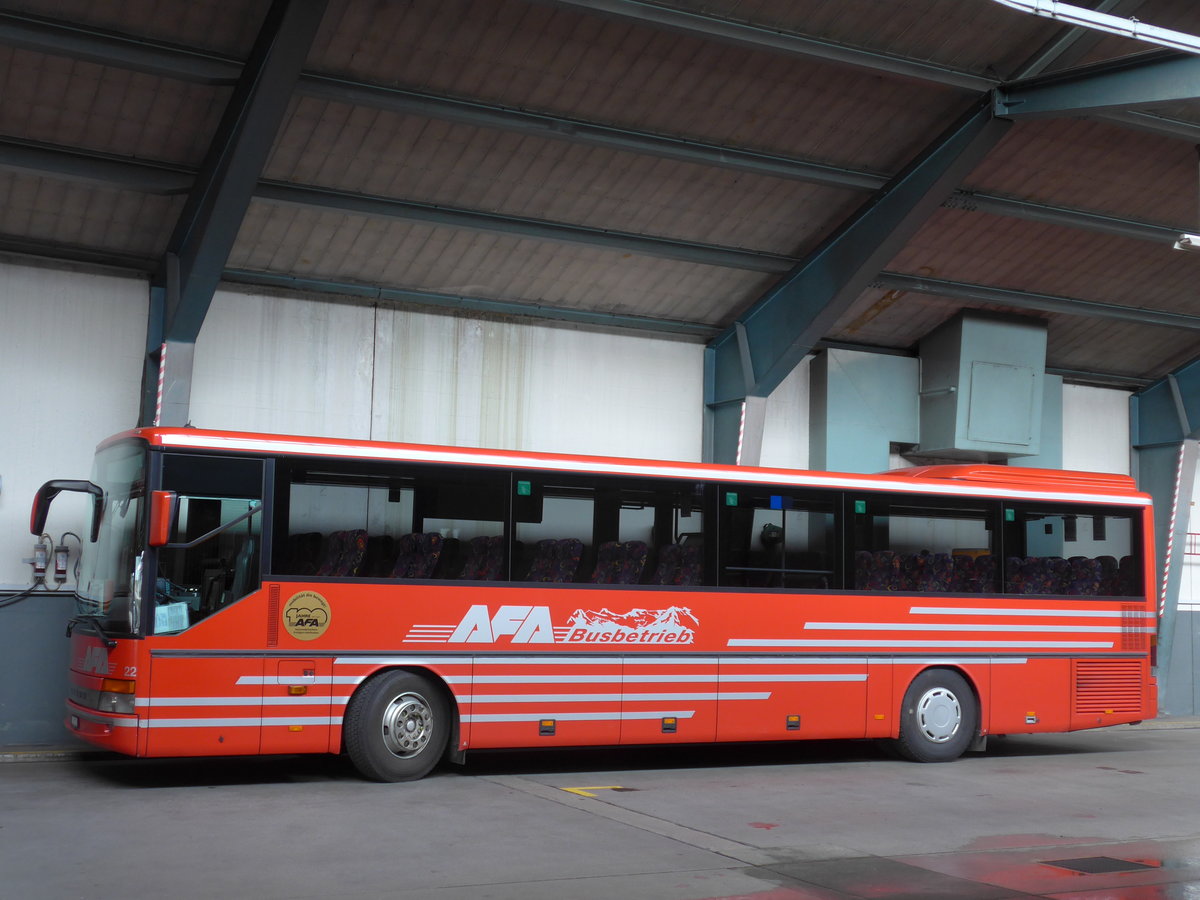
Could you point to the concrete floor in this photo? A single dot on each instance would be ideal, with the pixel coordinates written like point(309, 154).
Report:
point(816, 821)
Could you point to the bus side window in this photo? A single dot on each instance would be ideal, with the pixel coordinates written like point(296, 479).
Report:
point(1072, 551)
point(923, 545)
point(778, 538)
point(553, 531)
point(463, 511)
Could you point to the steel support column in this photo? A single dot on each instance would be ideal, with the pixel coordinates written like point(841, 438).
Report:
point(1164, 427)
point(212, 215)
point(1147, 79)
point(753, 356)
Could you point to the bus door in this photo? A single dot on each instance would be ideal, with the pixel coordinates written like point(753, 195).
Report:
point(205, 621)
point(782, 547)
point(296, 705)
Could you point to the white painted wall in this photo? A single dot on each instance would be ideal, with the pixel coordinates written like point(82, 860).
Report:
point(71, 349)
point(785, 437)
point(1095, 429)
point(482, 382)
point(284, 365)
point(302, 366)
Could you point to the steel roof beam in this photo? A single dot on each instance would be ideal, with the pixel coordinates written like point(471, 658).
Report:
point(1168, 411)
point(143, 55)
point(124, 173)
point(108, 48)
point(1060, 215)
point(791, 42)
point(958, 290)
point(93, 167)
point(952, 289)
point(457, 302)
point(490, 115)
point(522, 226)
point(209, 222)
point(1147, 79)
point(751, 359)
point(802, 45)
point(208, 225)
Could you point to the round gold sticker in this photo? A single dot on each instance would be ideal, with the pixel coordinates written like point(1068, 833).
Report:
point(306, 616)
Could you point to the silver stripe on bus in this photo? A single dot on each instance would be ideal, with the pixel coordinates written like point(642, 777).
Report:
point(990, 629)
point(947, 661)
point(404, 660)
point(570, 661)
point(251, 722)
point(285, 680)
point(787, 642)
point(618, 678)
point(611, 698)
point(614, 716)
point(1065, 613)
point(309, 700)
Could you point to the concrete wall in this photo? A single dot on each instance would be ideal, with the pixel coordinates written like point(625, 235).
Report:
point(71, 348)
point(270, 363)
point(1095, 429)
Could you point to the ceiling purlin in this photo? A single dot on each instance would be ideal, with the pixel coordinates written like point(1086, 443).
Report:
point(174, 62)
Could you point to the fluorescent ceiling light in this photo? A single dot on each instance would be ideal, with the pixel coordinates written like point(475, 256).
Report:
point(1089, 18)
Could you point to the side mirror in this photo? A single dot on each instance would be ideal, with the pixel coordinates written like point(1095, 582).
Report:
point(51, 489)
point(164, 505)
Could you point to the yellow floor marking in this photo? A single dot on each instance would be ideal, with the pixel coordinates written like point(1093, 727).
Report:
point(586, 791)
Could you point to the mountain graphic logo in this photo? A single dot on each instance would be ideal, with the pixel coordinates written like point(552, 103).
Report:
point(673, 625)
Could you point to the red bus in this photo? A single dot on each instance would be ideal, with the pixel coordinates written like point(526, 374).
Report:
point(273, 594)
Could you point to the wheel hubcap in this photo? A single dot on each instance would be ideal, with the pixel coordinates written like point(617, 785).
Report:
point(939, 715)
point(407, 725)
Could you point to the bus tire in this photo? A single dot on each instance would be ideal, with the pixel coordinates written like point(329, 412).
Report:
point(396, 726)
point(939, 717)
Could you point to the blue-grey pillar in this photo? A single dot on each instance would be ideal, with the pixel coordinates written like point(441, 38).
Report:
point(1164, 428)
point(208, 225)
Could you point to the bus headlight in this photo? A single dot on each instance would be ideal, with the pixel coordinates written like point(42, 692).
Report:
point(116, 695)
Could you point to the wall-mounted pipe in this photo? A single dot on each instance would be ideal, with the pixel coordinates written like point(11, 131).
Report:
point(1088, 18)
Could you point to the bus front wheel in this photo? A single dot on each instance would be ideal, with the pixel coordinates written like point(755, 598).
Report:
point(939, 717)
point(396, 726)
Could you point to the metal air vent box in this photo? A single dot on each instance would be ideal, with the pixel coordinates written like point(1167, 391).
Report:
point(982, 387)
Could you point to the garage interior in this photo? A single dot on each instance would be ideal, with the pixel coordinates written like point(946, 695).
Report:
point(737, 231)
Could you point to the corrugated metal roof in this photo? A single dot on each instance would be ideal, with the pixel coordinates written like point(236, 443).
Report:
point(676, 107)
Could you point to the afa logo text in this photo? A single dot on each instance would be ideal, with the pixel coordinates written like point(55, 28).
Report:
point(518, 624)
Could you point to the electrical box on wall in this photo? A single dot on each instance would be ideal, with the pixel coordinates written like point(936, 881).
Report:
point(982, 387)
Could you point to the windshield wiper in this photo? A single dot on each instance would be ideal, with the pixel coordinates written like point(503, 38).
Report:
point(94, 621)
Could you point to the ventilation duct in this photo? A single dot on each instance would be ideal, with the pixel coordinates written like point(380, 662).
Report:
point(982, 388)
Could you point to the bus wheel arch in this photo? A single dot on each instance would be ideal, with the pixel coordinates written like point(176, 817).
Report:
point(939, 716)
point(399, 723)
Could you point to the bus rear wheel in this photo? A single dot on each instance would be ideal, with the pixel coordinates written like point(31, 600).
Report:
point(396, 726)
point(939, 717)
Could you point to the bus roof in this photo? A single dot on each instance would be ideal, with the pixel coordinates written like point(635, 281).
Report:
point(967, 479)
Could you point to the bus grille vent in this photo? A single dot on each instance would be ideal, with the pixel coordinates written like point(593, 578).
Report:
point(1108, 686)
point(273, 616)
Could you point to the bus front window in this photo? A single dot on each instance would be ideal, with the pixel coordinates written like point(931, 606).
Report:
point(108, 568)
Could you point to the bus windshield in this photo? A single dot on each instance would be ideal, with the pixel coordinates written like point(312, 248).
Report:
point(109, 573)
